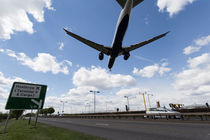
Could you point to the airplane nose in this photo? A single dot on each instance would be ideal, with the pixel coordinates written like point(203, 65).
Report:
point(111, 62)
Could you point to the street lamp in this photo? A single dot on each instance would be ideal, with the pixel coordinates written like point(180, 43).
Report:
point(63, 105)
point(106, 104)
point(88, 107)
point(149, 99)
point(127, 101)
point(94, 92)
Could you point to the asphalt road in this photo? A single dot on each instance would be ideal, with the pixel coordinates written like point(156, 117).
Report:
point(135, 129)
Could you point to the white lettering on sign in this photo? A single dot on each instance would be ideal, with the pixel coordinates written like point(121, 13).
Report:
point(26, 91)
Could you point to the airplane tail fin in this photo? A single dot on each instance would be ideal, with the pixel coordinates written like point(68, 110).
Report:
point(123, 2)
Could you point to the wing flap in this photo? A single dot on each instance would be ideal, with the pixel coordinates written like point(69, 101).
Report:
point(101, 48)
point(133, 47)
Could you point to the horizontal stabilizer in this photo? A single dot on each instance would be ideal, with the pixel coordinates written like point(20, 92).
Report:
point(101, 48)
point(121, 2)
point(136, 2)
point(133, 47)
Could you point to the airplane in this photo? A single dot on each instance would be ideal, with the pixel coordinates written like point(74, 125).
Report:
point(116, 48)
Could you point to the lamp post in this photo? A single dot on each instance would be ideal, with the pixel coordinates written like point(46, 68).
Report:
point(94, 92)
point(88, 107)
point(149, 99)
point(127, 101)
point(106, 104)
point(63, 106)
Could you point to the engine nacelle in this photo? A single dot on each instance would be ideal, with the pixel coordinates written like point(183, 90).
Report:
point(101, 56)
point(126, 56)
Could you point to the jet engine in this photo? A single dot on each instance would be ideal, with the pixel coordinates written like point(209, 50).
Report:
point(101, 56)
point(126, 56)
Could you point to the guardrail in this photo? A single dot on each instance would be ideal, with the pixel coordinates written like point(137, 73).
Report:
point(181, 116)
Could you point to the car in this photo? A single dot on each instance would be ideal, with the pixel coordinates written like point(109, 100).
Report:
point(162, 112)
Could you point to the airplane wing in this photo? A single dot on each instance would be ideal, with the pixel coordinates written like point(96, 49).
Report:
point(136, 2)
point(121, 2)
point(101, 48)
point(133, 47)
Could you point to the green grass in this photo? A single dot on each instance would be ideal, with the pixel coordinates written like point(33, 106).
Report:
point(19, 130)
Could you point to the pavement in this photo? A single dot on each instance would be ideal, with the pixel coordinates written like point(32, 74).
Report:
point(113, 129)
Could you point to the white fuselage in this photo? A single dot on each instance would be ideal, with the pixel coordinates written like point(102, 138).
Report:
point(122, 25)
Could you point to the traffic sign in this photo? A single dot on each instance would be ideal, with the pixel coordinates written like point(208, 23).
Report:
point(26, 96)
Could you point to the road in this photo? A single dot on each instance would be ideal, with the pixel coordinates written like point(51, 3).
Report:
point(135, 129)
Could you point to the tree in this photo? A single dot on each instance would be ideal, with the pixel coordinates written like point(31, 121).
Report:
point(16, 113)
point(30, 114)
point(46, 111)
point(3, 116)
point(51, 110)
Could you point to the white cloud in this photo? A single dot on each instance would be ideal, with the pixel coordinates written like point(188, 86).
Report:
point(190, 49)
point(61, 45)
point(199, 43)
point(199, 61)
point(195, 80)
point(3, 93)
point(150, 71)
point(44, 62)
point(94, 78)
point(101, 79)
point(131, 91)
point(6, 84)
point(203, 41)
point(173, 6)
point(14, 15)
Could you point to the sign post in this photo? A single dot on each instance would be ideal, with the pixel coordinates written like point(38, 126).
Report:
point(5, 126)
point(26, 96)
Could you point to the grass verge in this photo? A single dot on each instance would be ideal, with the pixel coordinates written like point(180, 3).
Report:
point(19, 130)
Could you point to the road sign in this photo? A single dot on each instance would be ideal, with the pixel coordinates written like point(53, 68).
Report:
point(26, 96)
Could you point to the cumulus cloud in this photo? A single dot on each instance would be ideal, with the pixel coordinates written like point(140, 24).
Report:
point(14, 15)
point(94, 78)
point(61, 45)
point(4, 93)
point(6, 84)
point(173, 6)
point(203, 41)
point(44, 62)
point(199, 43)
point(150, 71)
point(190, 49)
point(195, 80)
point(131, 91)
point(101, 79)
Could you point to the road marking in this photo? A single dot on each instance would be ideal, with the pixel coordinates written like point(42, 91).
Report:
point(102, 124)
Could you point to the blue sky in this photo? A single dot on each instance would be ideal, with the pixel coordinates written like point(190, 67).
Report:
point(174, 69)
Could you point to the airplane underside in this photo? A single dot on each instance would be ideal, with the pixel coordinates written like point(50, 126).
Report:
point(117, 45)
point(116, 49)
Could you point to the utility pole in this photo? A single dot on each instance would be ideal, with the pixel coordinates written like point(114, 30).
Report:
point(88, 107)
point(94, 92)
point(127, 101)
point(63, 106)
